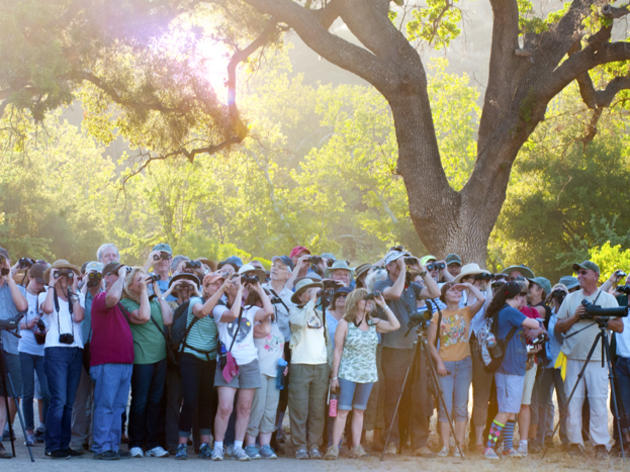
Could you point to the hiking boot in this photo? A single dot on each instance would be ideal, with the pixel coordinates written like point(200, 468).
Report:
point(181, 453)
point(332, 453)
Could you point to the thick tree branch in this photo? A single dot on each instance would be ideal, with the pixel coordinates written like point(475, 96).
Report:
point(604, 97)
point(335, 49)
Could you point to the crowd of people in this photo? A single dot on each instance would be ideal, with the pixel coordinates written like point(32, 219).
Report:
point(184, 355)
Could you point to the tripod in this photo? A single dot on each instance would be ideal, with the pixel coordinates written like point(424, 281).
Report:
point(421, 347)
point(9, 388)
point(602, 337)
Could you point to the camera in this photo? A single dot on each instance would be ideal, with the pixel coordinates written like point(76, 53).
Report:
point(558, 296)
point(314, 260)
point(162, 255)
point(249, 278)
point(483, 276)
point(620, 273)
point(593, 311)
point(624, 289)
point(373, 295)
point(192, 265)
point(420, 318)
point(410, 260)
point(435, 266)
point(152, 278)
point(94, 279)
point(25, 262)
point(64, 273)
point(66, 338)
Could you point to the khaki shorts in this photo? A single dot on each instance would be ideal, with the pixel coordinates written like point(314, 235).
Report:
point(528, 385)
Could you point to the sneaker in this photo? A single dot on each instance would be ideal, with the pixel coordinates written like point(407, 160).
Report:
point(157, 451)
point(252, 452)
point(522, 449)
point(266, 452)
point(511, 452)
point(40, 434)
point(358, 452)
point(443, 452)
point(423, 451)
point(74, 452)
point(239, 453)
point(4, 454)
point(314, 453)
point(30, 439)
point(332, 453)
point(181, 453)
point(58, 454)
point(457, 453)
point(301, 454)
point(576, 450)
point(391, 449)
point(217, 454)
point(106, 456)
point(136, 452)
point(601, 453)
point(205, 451)
point(491, 454)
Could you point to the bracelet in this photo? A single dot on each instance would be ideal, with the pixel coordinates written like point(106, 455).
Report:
point(334, 378)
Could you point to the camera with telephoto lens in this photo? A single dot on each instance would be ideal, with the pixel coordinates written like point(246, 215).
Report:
point(66, 338)
point(64, 273)
point(94, 278)
point(595, 311)
point(624, 289)
point(249, 278)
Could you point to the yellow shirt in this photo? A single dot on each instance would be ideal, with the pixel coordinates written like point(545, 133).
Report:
point(454, 333)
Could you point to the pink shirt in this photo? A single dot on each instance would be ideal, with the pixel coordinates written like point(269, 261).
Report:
point(112, 341)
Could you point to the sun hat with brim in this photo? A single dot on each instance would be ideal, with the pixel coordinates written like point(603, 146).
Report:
point(184, 276)
point(427, 258)
point(543, 283)
point(61, 264)
point(212, 277)
point(94, 266)
point(453, 258)
point(569, 282)
point(586, 265)
point(469, 269)
point(339, 264)
point(303, 284)
point(521, 269)
point(392, 256)
point(361, 270)
point(36, 272)
point(250, 268)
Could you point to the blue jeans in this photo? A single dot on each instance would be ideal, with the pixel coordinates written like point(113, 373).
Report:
point(455, 387)
point(111, 390)
point(62, 366)
point(354, 395)
point(32, 364)
point(622, 379)
point(145, 413)
point(548, 379)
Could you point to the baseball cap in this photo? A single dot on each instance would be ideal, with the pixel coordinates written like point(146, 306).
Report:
point(453, 258)
point(94, 266)
point(163, 247)
point(586, 265)
point(297, 250)
point(543, 283)
point(286, 260)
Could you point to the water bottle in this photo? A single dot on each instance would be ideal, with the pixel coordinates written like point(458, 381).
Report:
point(332, 405)
point(280, 367)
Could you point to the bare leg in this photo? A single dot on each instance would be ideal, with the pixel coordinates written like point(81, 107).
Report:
point(523, 422)
point(357, 427)
point(339, 425)
point(224, 410)
point(460, 432)
point(243, 409)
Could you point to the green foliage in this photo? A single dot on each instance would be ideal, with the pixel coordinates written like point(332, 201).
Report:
point(610, 258)
point(437, 23)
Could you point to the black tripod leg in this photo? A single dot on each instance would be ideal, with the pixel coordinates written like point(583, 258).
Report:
point(395, 414)
point(611, 380)
point(577, 381)
point(438, 389)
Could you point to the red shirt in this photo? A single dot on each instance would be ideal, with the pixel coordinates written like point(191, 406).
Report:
point(112, 341)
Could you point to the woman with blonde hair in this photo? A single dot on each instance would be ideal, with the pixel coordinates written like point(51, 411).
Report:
point(354, 363)
point(147, 319)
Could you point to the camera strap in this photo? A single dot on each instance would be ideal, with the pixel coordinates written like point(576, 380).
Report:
point(70, 309)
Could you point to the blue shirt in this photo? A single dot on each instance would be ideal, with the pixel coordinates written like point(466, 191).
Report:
point(403, 308)
point(554, 344)
point(8, 310)
point(516, 350)
point(86, 324)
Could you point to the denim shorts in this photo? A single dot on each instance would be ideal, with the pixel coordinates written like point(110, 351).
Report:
point(248, 376)
point(509, 392)
point(354, 395)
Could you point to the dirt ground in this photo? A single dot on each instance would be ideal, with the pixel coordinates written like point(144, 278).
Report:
point(554, 461)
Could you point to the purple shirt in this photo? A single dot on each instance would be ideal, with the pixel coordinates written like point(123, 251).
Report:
point(112, 342)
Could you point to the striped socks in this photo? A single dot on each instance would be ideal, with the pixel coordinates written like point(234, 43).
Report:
point(495, 433)
point(508, 435)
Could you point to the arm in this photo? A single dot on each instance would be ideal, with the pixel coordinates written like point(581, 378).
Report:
point(16, 294)
point(78, 313)
point(232, 314)
point(202, 310)
point(115, 291)
point(530, 323)
point(391, 323)
point(165, 307)
point(563, 325)
point(267, 308)
point(47, 305)
point(149, 262)
point(395, 291)
point(445, 274)
point(143, 313)
point(475, 307)
point(299, 267)
point(340, 339)
point(439, 364)
point(616, 325)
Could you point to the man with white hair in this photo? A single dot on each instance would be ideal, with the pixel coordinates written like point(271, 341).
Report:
point(107, 253)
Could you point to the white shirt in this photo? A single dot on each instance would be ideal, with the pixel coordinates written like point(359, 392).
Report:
point(623, 339)
point(27, 343)
point(244, 350)
point(61, 322)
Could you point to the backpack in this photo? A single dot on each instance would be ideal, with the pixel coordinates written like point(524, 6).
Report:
point(492, 349)
point(178, 331)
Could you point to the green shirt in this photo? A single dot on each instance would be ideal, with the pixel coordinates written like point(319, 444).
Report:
point(149, 345)
point(202, 335)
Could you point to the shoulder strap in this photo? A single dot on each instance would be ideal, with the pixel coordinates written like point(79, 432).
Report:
point(238, 327)
point(510, 334)
point(124, 311)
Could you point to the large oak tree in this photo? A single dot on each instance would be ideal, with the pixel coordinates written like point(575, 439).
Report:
point(164, 108)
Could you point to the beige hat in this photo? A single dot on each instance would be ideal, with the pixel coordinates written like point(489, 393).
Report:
point(471, 268)
point(61, 264)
